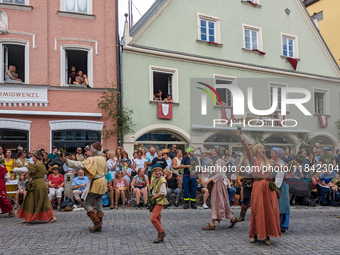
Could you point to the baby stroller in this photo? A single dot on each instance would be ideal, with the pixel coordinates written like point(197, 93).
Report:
point(328, 196)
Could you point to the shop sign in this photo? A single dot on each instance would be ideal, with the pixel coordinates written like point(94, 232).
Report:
point(23, 95)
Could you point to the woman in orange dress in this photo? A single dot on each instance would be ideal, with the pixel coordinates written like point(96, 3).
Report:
point(265, 214)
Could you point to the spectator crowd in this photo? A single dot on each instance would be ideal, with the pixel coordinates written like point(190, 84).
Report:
point(128, 178)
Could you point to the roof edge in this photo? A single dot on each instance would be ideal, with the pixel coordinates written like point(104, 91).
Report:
point(155, 7)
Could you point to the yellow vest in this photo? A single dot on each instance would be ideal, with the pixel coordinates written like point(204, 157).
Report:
point(161, 200)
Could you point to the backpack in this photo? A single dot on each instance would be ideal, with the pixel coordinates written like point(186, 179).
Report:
point(105, 200)
point(67, 202)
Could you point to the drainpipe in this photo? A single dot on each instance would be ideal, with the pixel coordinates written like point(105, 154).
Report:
point(118, 57)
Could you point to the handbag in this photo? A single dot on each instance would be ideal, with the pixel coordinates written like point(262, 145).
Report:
point(30, 185)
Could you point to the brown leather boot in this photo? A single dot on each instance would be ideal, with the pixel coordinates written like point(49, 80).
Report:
point(242, 214)
point(96, 221)
point(233, 221)
point(100, 216)
point(160, 237)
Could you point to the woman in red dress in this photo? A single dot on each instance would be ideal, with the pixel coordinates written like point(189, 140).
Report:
point(5, 204)
point(265, 214)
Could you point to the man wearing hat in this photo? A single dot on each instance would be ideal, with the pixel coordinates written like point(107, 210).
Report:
point(5, 204)
point(328, 157)
point(189, 179)
point(95, 168)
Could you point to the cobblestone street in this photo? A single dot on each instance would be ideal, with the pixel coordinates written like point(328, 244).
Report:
point(312, 231)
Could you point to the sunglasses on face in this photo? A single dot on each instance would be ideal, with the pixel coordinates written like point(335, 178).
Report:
point(120, 173)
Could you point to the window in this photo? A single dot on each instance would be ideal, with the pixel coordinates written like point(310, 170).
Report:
point(279, 92)
point(23, 2)
point(321, 101)
point(289, 46)
point(208, 31)
point(252, 38)
point(79, 59)
point(79, 6)
point(208, 28)
point(14, 55)
point(165, 80)
point(71, 139)
point(224, 93)
point(11, 139)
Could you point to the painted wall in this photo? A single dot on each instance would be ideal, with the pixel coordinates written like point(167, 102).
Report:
point(47, 25)
point(136, 71)
point(330, 23)
point(45, 61)
point(176, 29)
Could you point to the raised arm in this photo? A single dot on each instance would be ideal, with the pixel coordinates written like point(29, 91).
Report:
point(246, 147)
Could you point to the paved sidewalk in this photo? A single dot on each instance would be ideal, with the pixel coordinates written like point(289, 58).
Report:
point(312, 231)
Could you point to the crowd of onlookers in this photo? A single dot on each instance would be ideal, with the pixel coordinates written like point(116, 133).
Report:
point(129, 177)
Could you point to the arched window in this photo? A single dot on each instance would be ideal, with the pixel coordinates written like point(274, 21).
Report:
point(225, 141)
point(159, 140)
point(322, 141)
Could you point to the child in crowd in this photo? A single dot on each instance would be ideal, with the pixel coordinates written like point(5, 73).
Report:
point(334, 181)
point(127, 173)
point(21, 188)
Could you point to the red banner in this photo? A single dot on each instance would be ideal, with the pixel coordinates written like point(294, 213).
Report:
point(323, 120)
point(280, 117)
point(293, 62)
point(261, 52)
point(164, 111)
point(228, 114)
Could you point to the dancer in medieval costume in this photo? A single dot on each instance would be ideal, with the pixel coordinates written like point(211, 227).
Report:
point(5, 204)
point(220, 207)
point(265, 216)
point(36, 205)
point(283, 187)
point(157, 200)
point(247, 187)
point(95, 169)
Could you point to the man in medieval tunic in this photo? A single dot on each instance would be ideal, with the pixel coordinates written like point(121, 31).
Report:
point(95, 169)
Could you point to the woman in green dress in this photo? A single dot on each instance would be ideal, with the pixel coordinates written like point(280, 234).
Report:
point(37, 205)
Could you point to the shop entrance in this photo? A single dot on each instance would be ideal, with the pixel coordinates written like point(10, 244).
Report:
point(69, 140)
point(11, 139)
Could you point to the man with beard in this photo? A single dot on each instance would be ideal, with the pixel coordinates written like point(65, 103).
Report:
point(95, 168)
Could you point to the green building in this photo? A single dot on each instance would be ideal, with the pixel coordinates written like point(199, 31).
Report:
point(269, 44)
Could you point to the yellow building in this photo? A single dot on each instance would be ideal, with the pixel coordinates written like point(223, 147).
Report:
point(326, 16)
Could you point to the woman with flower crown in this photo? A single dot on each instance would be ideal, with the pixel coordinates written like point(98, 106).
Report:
point(264, 214)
